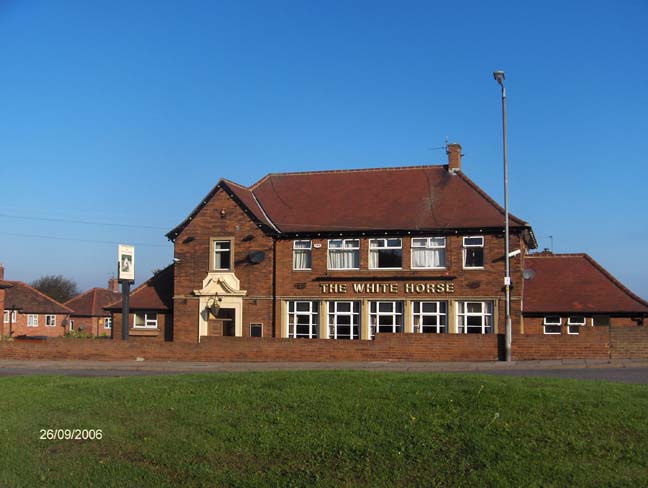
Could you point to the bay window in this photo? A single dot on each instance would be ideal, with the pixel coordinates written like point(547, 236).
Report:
point(303, 319)
point(430, 317)
point(475, 317)
point(344, 320)
point(385, 317)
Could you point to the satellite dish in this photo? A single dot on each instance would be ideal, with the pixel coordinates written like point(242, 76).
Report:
point(527, 274)
point(256, 257)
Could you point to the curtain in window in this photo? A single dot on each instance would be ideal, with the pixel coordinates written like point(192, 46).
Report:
point(428, 258)
point(301, 259)
point(341, 258)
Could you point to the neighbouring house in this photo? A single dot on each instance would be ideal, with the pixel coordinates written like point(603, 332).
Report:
point(28, 312)
point(565, 292)
point(150, 307)
point(88, 314)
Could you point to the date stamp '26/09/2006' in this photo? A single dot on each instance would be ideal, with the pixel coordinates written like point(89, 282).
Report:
point(71, 434)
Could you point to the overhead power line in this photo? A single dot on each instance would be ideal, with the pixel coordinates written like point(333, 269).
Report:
point(85, 222)
point(57, 238)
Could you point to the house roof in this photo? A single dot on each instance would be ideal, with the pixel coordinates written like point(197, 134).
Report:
point(21, 296)
point(92, 302)
point(575, 283)
point(416, 198)
point(154, 294)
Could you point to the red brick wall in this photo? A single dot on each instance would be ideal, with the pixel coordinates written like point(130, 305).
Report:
point(19, 327)
point(386, 347)
point(591, 343)
point(629, 342)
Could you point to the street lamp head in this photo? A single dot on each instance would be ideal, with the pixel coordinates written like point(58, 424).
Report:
point(499, 77)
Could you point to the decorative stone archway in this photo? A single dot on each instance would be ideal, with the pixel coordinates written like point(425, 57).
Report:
point(220, 290)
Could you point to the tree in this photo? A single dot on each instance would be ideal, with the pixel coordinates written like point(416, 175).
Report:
point(57, 287)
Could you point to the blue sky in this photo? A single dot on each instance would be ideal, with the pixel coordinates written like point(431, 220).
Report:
point(129, 112)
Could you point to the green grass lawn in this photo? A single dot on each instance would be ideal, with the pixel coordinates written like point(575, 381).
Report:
point(324, 429)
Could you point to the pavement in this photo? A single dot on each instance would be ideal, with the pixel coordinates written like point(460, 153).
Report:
point(621, 370)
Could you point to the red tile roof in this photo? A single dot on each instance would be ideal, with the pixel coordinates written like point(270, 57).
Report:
point(154, 294)
point(381, 199)
point(92, 302)
point(572, 283)
point(23, 297)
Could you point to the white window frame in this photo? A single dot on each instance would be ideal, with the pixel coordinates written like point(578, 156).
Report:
point(7, 314)
point(256, 324)
point(313, 319)
point(487, 314)
point(467, 246)
point(107, 323)
point(355, 249)
point(71, 325)
point(50, 320)
point(216, 251)
point(429, 245)
point(575, 322)
point(441, 314)
point(353, 313)
point(32, 320)
point(306, 250)
point(547, 322)
point(374, 317)
point(149, 323)
point(374, 248)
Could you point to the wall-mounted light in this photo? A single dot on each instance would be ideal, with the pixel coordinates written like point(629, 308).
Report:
point(223, 213)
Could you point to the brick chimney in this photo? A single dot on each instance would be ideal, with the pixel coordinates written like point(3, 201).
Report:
point(1, 272)
point(113, 285)
point(454, 157)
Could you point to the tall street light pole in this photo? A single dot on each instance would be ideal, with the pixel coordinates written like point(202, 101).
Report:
point(499, 77)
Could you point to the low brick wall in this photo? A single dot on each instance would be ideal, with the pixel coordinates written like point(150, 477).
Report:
point(628, 343)
point(386, 347)
point(591, 343)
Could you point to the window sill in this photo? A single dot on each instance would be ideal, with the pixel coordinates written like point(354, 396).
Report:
point(477, 268)
point(140, 331)
point(385, 269)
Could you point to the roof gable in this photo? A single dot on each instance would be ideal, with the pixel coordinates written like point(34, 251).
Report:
point(576, 283)
point(27, 299)
point(92, 302)
point(154, 294)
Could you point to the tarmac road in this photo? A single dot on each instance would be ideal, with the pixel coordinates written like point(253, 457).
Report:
point(625, 371)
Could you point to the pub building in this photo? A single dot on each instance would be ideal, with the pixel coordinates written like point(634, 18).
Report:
point(348, 254)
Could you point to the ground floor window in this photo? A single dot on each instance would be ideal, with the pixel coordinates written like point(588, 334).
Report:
point(146, 320)
point(71, 325)
point(552, 325)
point(32, 320)
point(573, 324)
point(601, 320)
point(344, 320)
point(108, 323)
point(303, 320)
point(256, 330)
point(50, 320)
point(430, 317)
point(475, 317)
point(385, 317)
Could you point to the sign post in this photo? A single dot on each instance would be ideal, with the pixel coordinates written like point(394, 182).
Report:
point(126, 275)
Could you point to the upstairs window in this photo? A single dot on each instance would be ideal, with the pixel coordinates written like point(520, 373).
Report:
point(473, 252)
point(386, 253)
point(428, 252)
point(222, 254)
point(344, 254)
point(50, 320)
point(552, 325)
point(573, 323)
point(302, 254)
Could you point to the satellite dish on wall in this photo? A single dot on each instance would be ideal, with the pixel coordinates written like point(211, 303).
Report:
point(527, 274)
point(256, 257)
